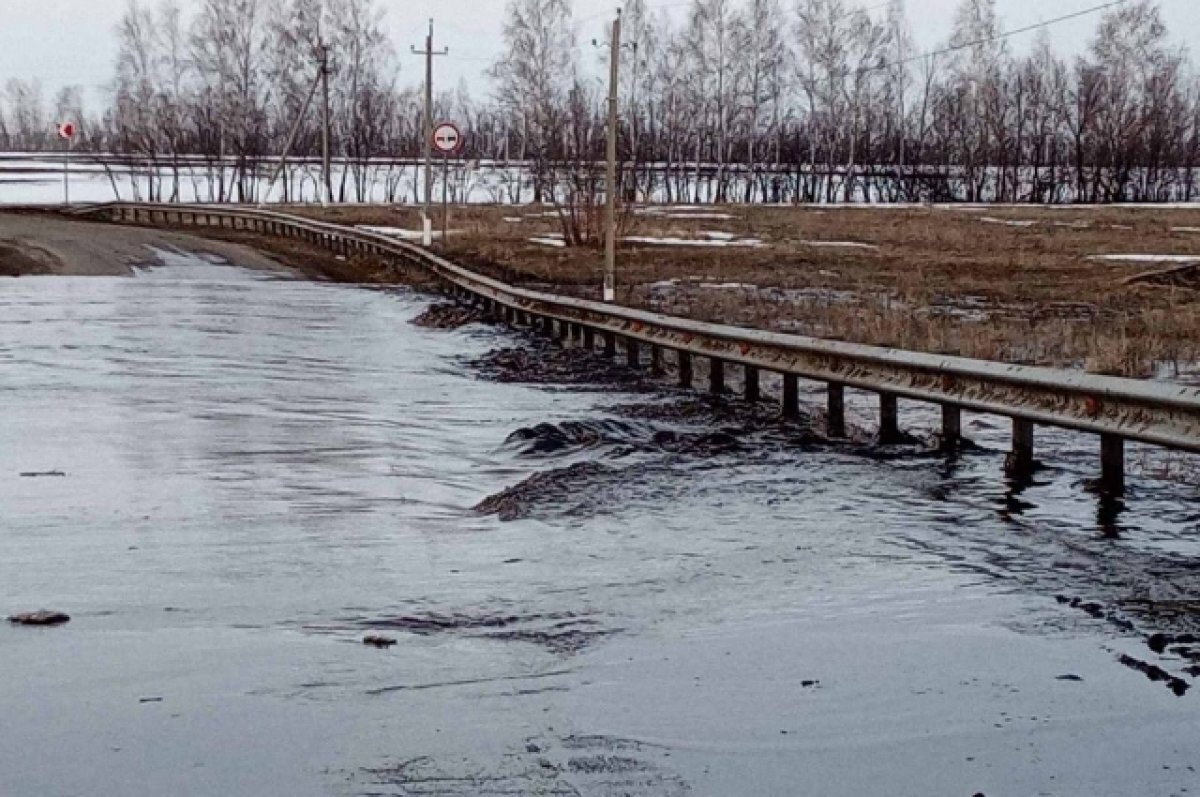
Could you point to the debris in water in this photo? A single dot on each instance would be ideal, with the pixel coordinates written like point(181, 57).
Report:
point(33, 474)
point(379, 640)
point(42, 617)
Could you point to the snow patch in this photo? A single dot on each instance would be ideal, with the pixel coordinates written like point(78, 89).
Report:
point(839, 244)
point(554, 240)
point(402, 233)
point(732, 242)
point(1185, 229)
point(1147, 258)
point(1008, 222)
point(729, 286)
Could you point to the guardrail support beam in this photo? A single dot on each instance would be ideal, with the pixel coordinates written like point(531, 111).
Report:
point(889, 418)
point(791, 396)
point(610, 344)
point(835, 410)
point(1112, 464)
point(951, 427)
point(685, 368)
point(633, 353)
point(589, 338)
point(656, 359)
point(1019, 464)
point(752, 391)
point(716, 376)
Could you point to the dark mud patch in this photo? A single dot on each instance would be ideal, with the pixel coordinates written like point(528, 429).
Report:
point(1185, 276)
point(450, 315)
point(570, 766)
point(542, 362)
point(562, 633)
point(1156, 674)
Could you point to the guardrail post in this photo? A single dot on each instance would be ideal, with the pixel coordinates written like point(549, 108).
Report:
point(951, 426)
point(889, 418)
point(1112, 464)
point(656, 359)
point(835, 410)
point(589, 338)
point(610, 343)
point(633, 353)
point(791, 396)
point(751, 379)
point(716, 376)
point(1019, 463)
point(685, 368)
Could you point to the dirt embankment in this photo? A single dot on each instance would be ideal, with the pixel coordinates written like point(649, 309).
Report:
point(45, 244)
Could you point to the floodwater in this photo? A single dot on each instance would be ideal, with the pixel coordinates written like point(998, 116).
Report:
point(256, 472)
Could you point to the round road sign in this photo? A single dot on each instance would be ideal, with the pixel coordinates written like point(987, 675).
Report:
point(446, 139)
point(66, 130)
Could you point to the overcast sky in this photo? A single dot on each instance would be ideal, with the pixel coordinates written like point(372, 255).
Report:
point(66, 42)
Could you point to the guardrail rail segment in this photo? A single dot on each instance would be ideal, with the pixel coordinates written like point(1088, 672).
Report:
point(1116, 409)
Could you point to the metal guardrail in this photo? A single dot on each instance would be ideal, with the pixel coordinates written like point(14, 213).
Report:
point(1117, 409)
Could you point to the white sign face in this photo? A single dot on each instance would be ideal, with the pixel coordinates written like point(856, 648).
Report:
point(446, 139)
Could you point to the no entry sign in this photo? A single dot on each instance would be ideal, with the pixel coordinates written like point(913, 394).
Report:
point(446, 139)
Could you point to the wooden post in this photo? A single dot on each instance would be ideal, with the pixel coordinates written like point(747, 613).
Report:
point(751, 379)
point(1020, 460)
point(835, 410)
point(685, 368)
point(716, 376)
point(951, 426)
point(791, 396)
point(610, 343)
point(889, 421)
point(589, 338)
point(1112, 464)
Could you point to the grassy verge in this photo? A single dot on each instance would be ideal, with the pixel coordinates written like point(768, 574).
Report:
point(1013, 284)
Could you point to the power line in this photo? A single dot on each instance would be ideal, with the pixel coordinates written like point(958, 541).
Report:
point(998, 37)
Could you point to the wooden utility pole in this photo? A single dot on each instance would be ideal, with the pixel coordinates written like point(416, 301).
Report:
point(427, 129)
point(610, 176)
point(323, 51)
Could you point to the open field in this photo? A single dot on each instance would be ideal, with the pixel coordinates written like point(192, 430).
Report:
point(1021, 284)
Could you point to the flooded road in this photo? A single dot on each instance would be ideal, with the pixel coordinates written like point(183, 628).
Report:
point(258, 471)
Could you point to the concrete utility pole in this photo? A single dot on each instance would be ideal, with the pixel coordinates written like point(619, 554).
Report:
point(323, 52)
point(291, 138)
point(610, 175)
point(427, 129)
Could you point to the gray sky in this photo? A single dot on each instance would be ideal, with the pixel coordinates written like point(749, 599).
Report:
point(71, 41)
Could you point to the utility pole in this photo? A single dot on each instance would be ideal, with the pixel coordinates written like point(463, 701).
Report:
point(610, 175)
point(323, 53)
point(427, 131)
point(291, 138)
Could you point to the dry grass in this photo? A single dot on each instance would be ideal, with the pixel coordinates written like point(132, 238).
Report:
point(955, 281)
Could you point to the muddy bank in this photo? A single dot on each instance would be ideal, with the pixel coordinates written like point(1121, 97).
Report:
point(450, 315)
point(32, 244)
point(540, 361)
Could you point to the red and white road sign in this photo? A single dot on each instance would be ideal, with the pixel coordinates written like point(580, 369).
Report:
point(447, 140)
point(66, 130)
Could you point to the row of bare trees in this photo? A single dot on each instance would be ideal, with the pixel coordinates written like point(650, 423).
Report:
point(735, 101)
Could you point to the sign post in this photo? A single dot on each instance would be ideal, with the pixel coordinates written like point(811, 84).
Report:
point(66, 131)
point(448, 141)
